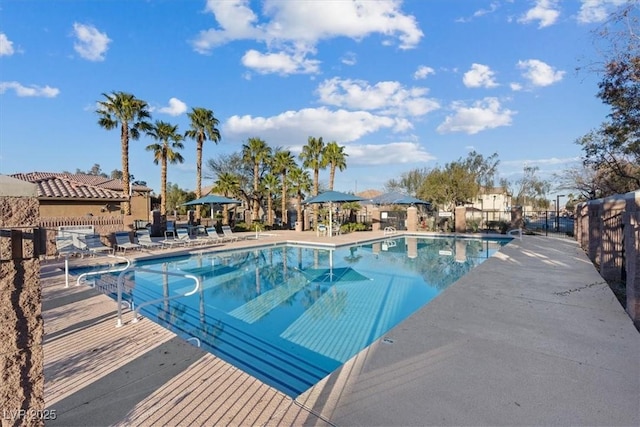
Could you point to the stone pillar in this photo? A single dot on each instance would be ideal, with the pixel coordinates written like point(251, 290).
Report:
point(461, 219)
point(375, 218)
point(594, 207)
point(21, 326)
point(412, 218)
point(582, 225)
point(632, 250)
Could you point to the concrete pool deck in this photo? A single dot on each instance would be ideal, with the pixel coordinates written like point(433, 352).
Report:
point(533, 336)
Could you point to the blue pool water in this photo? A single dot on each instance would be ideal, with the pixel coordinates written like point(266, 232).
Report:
point(290, 315)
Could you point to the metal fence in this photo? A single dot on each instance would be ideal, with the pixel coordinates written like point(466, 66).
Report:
point(549, 223)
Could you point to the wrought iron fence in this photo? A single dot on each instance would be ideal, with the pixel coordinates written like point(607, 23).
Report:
point(549, 223)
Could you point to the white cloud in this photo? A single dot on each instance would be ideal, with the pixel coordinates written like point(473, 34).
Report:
point(281, 63)
point(292, 127)
point(481, 12)
point(482, 115)
point(90, 43)
point(422, 72)
point(515, 86)
point(236, 20)
point(545, 11)
point(479, 76)
point(540, 73)
point(33, 90)
point(597, 10)
point(386, 154)
point(296, 27)
point(6, 45)
point(175, 107)
point(386, 97)
point(349, 58)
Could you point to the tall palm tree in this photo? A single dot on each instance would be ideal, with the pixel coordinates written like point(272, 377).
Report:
point(169, 140)
point(300, 183)
point(228, 185)
point(203, 127)
point(271, 185)
point(256, 152)
point(283, 161)
point(334, 156)
point(131, 113)
point(311, 157)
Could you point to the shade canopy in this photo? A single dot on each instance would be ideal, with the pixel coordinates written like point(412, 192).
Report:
point(396, 198)
point(333, 197)
point(212, 199)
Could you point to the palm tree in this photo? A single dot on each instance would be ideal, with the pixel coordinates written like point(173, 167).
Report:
point(131, 114)
point(300, 182)
point(311, 157)
point(203, 127)
point(271, 184)
point(334, 156)
point(227, 184)
point(165, 151)
point(256, 152)
point(283, 161)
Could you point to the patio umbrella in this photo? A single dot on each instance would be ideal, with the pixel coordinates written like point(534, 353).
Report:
point(212, 199)
point(396, 198)
point(332, 197)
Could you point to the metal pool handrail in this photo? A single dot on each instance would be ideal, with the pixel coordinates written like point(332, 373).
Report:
point(110, 270)
point(146, 270)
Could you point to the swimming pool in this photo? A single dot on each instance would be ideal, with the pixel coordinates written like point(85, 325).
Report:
point(289, 314)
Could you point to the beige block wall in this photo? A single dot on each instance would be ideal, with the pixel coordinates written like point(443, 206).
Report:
point(140, 208)
point(21, 325)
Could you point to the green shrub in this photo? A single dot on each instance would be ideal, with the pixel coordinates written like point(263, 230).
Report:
point(353, 226)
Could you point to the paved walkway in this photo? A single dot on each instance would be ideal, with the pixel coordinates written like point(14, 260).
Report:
point(533, 336)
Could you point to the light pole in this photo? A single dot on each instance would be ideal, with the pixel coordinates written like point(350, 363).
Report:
point(558, 211)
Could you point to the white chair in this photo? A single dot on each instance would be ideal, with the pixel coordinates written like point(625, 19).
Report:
point(144, 240)
point(93, 244)
point(123, 241)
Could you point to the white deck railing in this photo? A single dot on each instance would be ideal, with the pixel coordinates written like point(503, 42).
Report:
point(157, 300)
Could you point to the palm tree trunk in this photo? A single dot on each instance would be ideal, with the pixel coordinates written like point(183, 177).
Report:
point(299, 209)
point(163, 187)
point(198, 174)
point(256, 204)
point(332, 174)
point(124, 140)
point(316, 179)
point(285, 217)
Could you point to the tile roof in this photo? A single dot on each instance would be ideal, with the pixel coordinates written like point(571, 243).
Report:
point(92, 180)
point(60, 185)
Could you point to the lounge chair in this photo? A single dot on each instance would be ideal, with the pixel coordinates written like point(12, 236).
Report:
point(94, 245)
point(171, 229)
point(123, 241)
point(65, 246)
point(144, 240)
point(182, 239)
point(229, 234)
point(212, 236)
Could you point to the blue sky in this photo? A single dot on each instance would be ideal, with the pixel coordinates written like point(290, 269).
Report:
point(401, 84)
